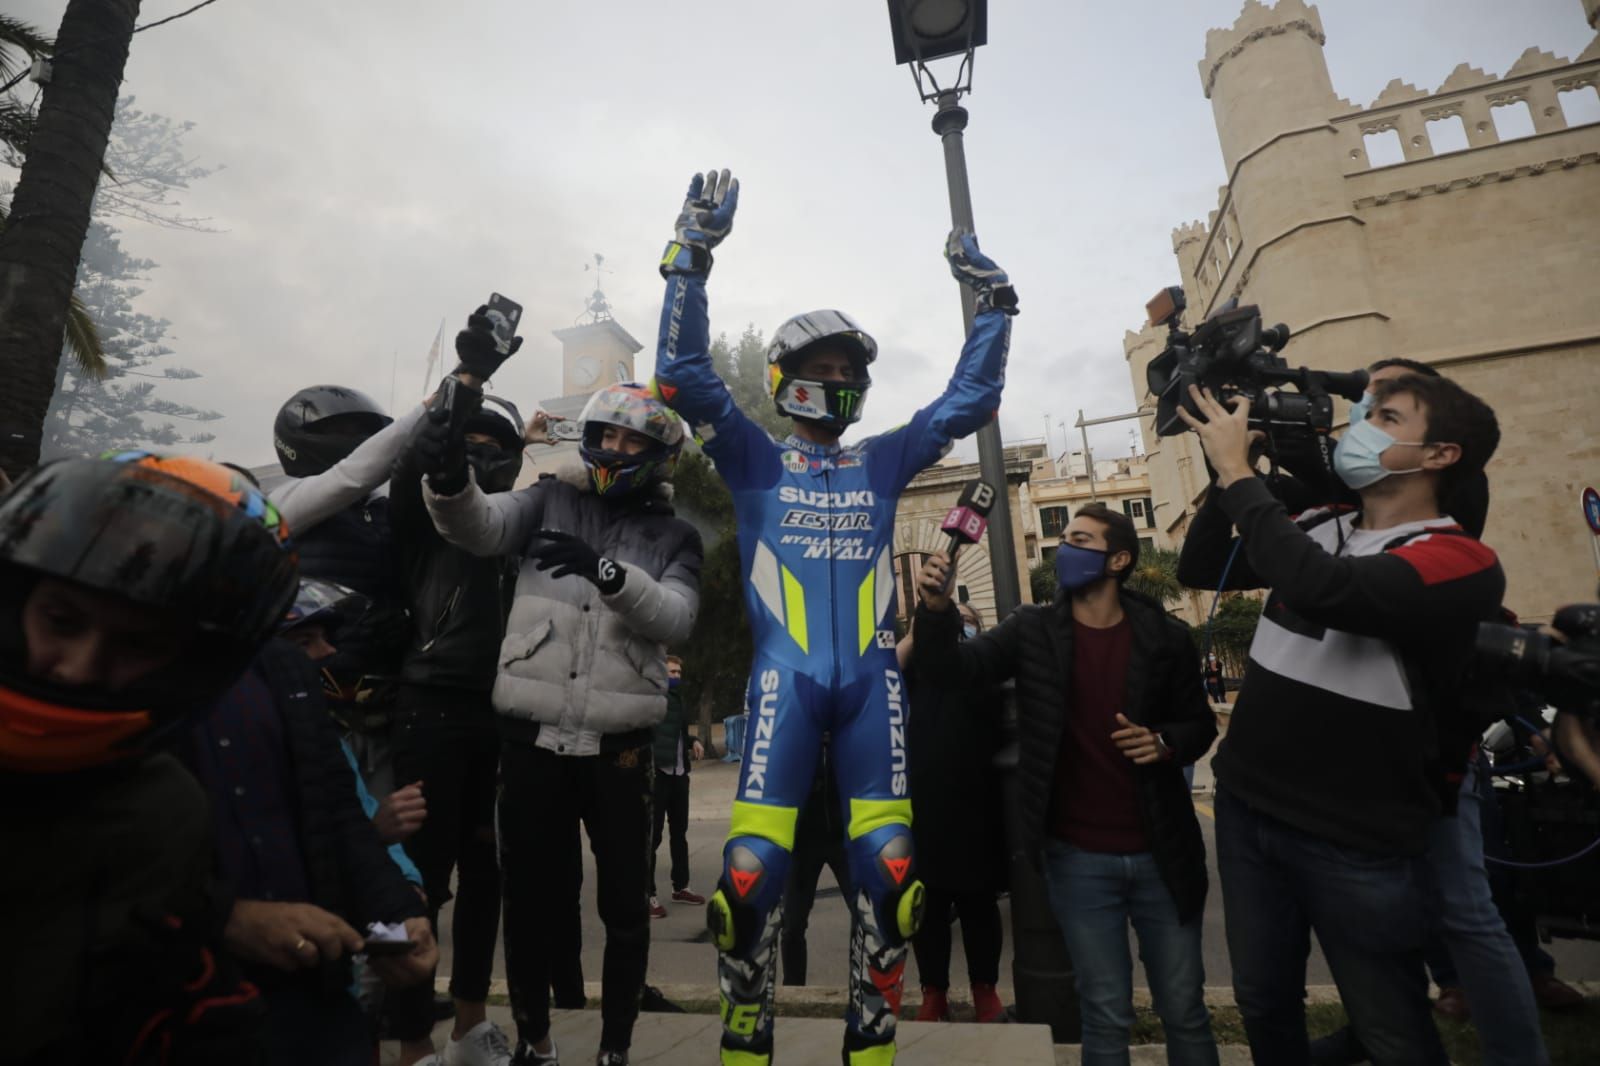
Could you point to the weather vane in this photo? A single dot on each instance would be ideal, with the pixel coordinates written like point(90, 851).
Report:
point(598, 308)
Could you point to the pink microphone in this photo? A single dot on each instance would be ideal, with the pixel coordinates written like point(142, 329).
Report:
point(967, 520)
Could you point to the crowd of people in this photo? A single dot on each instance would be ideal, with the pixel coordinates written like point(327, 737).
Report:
point(282, 729)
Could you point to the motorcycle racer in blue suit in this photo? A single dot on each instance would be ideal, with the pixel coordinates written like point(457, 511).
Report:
point(816, 525)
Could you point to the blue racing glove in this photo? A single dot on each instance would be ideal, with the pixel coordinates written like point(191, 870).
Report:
point(706, 218)
point(979, 273)
point(566, 554)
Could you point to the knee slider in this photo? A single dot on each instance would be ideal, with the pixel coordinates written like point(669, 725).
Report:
point(897, 895)
point(751, 886)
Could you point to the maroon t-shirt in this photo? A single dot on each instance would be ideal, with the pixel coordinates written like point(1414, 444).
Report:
point(1096, 803)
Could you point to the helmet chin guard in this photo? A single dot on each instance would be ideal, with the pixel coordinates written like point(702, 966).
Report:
point(835, 405)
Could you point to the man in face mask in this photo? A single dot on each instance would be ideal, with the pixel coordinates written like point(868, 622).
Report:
point(1109, 710)
point(1369, 623)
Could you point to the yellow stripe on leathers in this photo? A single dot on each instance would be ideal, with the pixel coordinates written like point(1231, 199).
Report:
point(869, 814)
point(765, 820)
point(866, 610)
point(794, 609)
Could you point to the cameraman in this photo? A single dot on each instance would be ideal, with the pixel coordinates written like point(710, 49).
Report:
point(1370, 617)
point(1312, 484)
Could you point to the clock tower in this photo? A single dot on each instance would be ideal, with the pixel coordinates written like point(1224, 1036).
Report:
point(594, 355)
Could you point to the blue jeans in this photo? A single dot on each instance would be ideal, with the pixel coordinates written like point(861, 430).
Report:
point(1370, 913)
point(1094, 897)
point(1486, 962)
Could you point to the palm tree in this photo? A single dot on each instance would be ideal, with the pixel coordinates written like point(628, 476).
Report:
point(82, 336)
point(20, 45)
point(40, 247)
point(1156, 575)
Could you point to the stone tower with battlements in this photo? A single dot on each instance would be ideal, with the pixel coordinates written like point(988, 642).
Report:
point(1479, 261)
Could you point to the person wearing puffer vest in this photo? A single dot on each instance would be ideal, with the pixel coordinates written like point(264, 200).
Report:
point(609, 577)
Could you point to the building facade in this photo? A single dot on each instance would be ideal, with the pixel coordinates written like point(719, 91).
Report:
point(1478, 260)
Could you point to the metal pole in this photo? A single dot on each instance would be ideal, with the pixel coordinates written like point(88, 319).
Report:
point(1088, 457)
point(949, 122)
point(1041, 969)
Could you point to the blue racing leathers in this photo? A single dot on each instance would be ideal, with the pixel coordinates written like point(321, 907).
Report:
point(816, 526)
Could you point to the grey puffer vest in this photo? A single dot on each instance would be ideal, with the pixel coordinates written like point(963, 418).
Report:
point(579, 664)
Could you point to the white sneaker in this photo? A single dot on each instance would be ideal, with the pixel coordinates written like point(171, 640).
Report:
point(484, 1045)
point(526, 1056)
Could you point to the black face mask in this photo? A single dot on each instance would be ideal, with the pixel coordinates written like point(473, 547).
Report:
point(496, 468)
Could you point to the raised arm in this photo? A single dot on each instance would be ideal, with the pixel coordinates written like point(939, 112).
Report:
point(483, 524)
point(685, 378)
point(306, 502)
point(972, 396)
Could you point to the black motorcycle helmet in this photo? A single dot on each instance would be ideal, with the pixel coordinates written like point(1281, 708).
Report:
point(320, 425)
point(498, 465)
point(182, 536)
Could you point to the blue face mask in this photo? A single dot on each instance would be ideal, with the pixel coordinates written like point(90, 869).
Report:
point(1078, 567)
point(674, 682)
point(1357, 458)
point(968, 631)
point(1361, 409)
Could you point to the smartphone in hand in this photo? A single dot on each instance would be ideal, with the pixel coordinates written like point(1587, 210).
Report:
point(380, 949)
point(506, 314)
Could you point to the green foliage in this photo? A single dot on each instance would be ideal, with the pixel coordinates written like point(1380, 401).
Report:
point(1156, 576)
point(743, 366)
point(20, 44)
point(1042, 581)
point(1232, 630)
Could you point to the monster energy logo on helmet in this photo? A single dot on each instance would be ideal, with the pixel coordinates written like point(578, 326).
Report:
point(834, 404)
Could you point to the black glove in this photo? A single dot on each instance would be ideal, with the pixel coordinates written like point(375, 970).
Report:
point(569, 555)
point(476, 347)
point(441, 455)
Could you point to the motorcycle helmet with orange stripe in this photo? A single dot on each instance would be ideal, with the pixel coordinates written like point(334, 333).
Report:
point(134, 589)
point(631, 406)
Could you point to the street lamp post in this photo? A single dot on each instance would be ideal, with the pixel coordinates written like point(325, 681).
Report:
point(932, 29)
point(1041, 969)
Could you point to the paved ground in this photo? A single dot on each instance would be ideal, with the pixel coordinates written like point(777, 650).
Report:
point(680, 952)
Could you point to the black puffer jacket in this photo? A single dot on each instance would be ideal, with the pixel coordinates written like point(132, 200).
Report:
point(1034, 645)
point(458, 601)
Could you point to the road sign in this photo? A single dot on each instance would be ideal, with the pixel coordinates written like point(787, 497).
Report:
point(1591, 509)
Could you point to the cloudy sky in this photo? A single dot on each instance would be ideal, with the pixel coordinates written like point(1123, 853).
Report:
point(389, 164)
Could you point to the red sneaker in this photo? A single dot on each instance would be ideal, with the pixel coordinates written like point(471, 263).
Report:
point(684, 895)
point(656, 909)
point(935, 1005)
point(986, 1004)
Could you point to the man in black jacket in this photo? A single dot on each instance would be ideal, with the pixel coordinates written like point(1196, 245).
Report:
point(445, 732)
point(1110, 709)
point(1370, 621)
